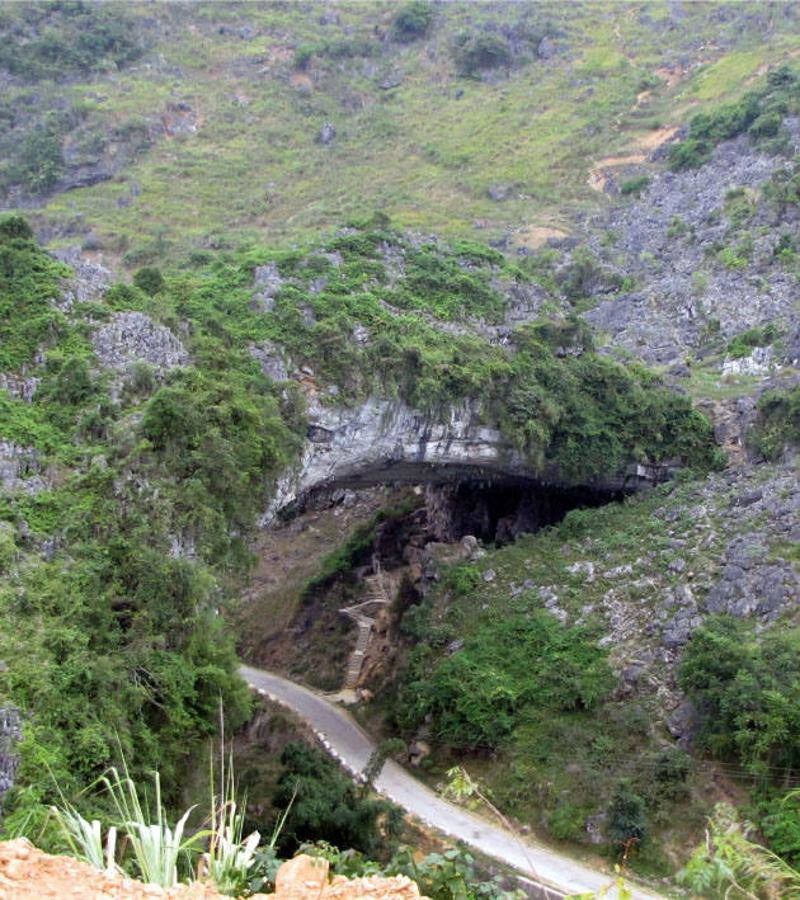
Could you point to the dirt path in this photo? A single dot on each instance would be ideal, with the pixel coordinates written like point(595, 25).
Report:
point(345, 740)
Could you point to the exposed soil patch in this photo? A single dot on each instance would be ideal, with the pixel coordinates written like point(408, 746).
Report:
point(26, 871)
point(658, 136)
point(289, 555)
point(535, 236)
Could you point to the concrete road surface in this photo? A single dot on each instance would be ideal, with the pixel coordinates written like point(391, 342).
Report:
point(558, 874)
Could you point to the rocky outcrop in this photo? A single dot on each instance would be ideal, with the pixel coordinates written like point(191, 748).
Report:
point(668, 241)
point(132, 337)
point(20, 469)
point(306, 877)
point(20, 386)
point(26, 872)
point(89, 281)
point(267, 282)
point(388, 441)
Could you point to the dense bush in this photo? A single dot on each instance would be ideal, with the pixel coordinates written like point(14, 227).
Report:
point(634, 185)
point(149, 279)
point(412, 21)
point(474, 52)
point(477, 696)
point(627, 821)
point(759, 336)
point(29, 279)
point(747, 690)
point(69, 37)
point(329, 807)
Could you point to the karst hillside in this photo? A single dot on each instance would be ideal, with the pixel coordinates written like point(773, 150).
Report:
point(399, 428)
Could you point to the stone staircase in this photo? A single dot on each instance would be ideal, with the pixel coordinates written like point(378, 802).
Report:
point(374, 595)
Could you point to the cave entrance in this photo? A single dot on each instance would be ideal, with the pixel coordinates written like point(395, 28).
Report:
point(494, 510)
point(497, 512)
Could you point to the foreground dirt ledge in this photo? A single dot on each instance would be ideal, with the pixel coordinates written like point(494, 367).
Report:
point(26, 871)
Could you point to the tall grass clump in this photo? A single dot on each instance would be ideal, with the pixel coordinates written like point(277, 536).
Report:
point(157, 847)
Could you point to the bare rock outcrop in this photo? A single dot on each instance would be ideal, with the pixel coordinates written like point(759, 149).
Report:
point(132, 337)
point(20, 469)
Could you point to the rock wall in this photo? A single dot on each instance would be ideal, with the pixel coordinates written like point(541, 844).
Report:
point(388, 441)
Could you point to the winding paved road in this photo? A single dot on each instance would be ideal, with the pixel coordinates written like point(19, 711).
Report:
point(345, 740)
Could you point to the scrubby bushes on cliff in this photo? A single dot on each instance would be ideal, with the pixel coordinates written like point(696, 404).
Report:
point(563, 405)
point(56, 39)
point(777, 426)
point(112, 638)
point(759, 113)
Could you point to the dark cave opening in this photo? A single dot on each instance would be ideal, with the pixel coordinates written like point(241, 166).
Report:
point(497, 512)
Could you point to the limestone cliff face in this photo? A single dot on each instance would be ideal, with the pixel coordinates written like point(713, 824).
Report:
point(383, 441)
point(387, 440)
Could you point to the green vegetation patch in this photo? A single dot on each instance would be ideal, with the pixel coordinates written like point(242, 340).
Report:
point(367, 323)
point(517, 669)
point(51, 40)
point(747, 689)
point(777, 426)
point(759, 113)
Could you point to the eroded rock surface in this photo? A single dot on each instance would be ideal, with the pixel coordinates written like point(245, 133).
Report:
point(672, 233)
point(20, 469)
point(132, 337)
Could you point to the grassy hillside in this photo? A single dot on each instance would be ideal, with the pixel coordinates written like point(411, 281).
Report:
point(211, 130)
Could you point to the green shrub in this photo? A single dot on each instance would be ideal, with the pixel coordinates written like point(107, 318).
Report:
point(759, 113)
point(748, 692)
point(149, 279)
point(567, 822)
point(777, 424)
point(783, 187)
point(779, 822)
point(15, 227)
point(327, 806)
point(412, 21)
point(760, 336)
point(41, 162)
point(677, 227)
point(634, 185)
point(57, 39)
point(732, 258)
point(477, 696)
point(303, 56)
point(627, 820)
point(474, 52)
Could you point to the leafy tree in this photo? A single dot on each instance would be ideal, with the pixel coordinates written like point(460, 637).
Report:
point(748, 692)
point(327, 805)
